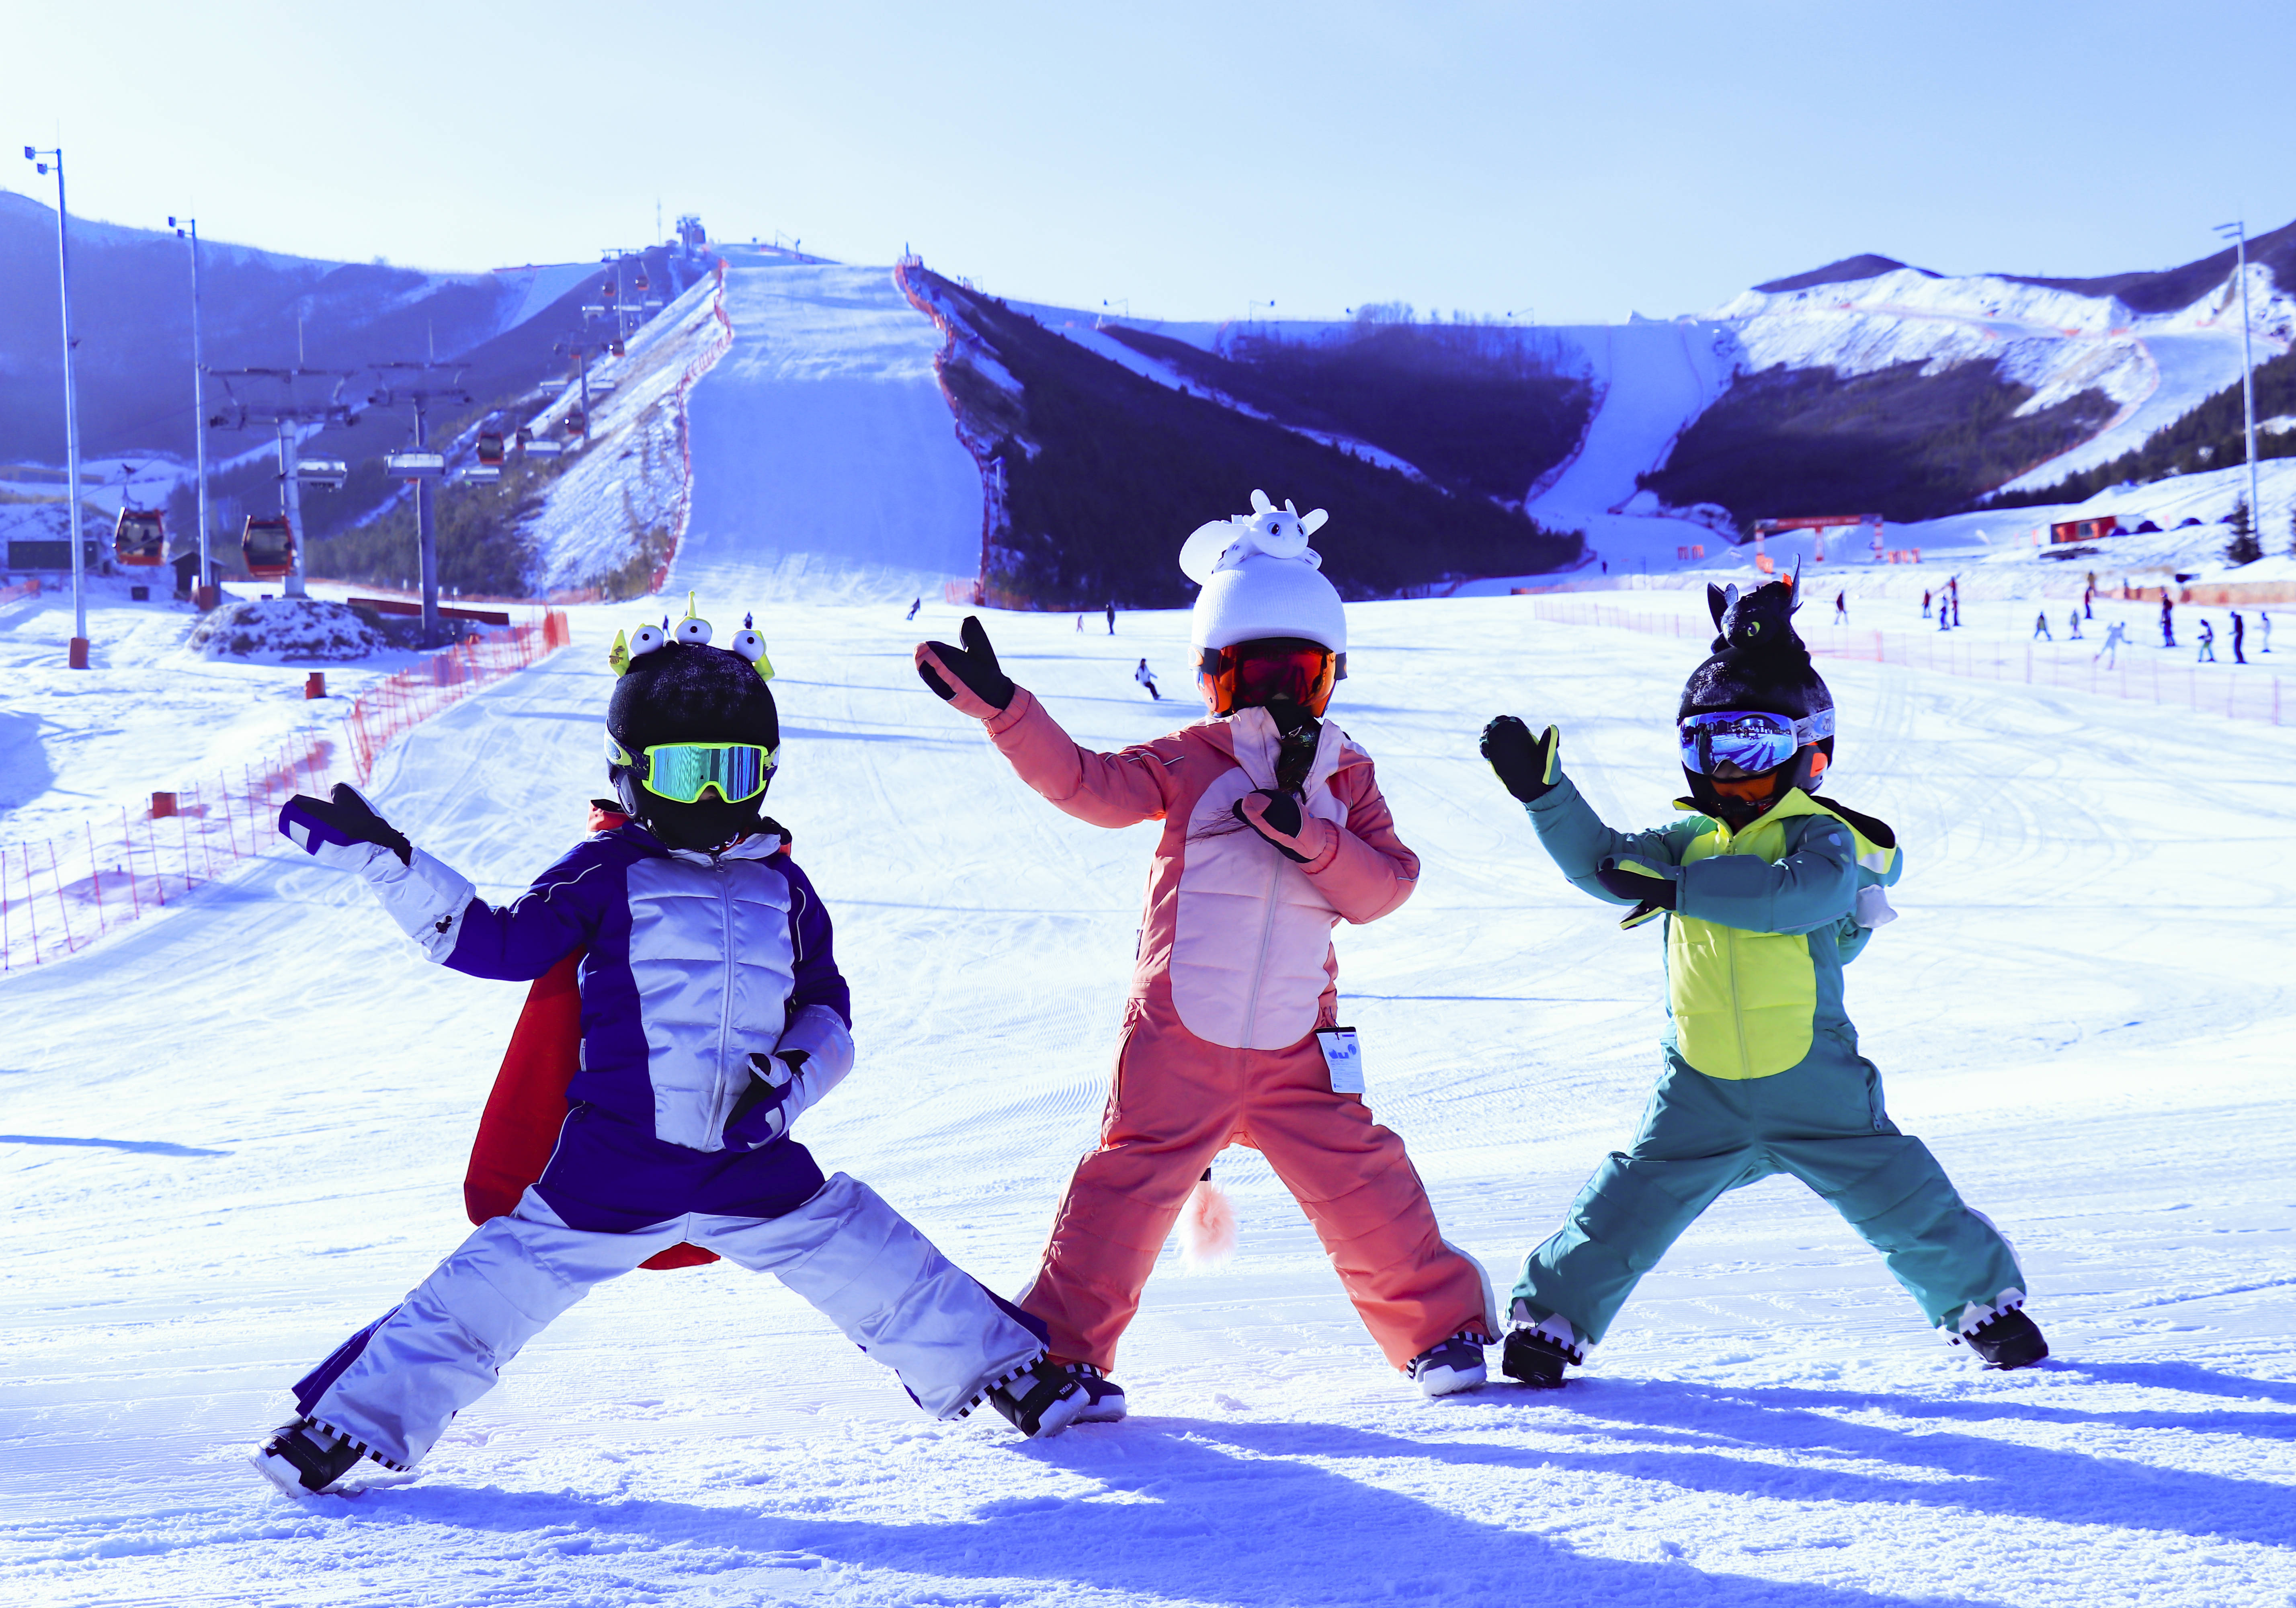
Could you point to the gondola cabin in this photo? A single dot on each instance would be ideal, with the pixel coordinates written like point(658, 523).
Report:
point(491, 448)
point(639, 284)
point(268, 547)
point(138, 537)
point(615, 346)
point(577, 425)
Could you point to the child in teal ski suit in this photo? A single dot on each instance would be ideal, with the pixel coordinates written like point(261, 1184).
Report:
point(1765, 894)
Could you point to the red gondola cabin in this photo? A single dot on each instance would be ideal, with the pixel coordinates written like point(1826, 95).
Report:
point(138, 537)
point(268, 547)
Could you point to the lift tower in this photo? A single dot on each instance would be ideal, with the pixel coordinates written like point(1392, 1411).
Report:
point(287, 411)
point(418, 385)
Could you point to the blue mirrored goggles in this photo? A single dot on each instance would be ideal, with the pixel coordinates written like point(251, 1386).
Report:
point(684, 771)
point(1752, 740)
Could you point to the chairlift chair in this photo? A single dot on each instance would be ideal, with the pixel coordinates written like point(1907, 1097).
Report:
point(411, 465)
point(480, 474)
point(138, 537)
point(268, 547)
point(322, 474)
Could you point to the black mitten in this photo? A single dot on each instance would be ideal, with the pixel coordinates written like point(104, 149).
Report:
point(1528, 766)
point(342, 818)
point(974, 664)
point(1658, 891)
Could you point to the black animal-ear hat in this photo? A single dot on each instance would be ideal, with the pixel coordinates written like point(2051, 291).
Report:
point(1758, 660)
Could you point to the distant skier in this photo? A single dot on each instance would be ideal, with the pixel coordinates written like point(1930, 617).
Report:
point(713, 1013)
point(2239, 633)
point(1841, 608)
point(1953, 591)
point(2088, 601)
point(1112, 619)
point(1271, 830)
point(2168, 620)
point(2041, 627)
point(2263, 620)
point(1147, 678)
point(2208, 653)
point(1766, 894)
point(1945, 617)
point(915, 606)
point(2116, 632)
point(1925, 603)
point(2074, 624)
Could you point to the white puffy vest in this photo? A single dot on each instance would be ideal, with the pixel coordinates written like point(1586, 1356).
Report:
point(1252, 935)
point(709, 951)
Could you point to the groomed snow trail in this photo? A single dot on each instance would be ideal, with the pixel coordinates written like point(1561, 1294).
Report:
point(822, 444)
point(233, 1136)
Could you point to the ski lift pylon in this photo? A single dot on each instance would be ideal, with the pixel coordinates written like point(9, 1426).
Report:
point(267, 545)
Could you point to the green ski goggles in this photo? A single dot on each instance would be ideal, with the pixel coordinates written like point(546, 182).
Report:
point(683, 771)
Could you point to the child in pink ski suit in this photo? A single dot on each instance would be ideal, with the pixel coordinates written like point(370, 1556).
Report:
point(1274, 831)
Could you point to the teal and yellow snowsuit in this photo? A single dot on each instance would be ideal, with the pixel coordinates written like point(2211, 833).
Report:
point(1762, 1071)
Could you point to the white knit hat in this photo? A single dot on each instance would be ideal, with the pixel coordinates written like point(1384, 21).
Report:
point(1260, 578)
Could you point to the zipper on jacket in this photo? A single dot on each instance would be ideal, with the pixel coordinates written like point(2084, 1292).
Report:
point(1266, 935)
point(725, 1010)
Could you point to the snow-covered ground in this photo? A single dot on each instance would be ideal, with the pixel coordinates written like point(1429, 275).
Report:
point(236, 1134)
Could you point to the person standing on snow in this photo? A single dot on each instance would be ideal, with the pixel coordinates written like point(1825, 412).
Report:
point(2208, 653)
point(2265, 619)
point(2041, 627)
point(1841, 608)
point(2239, 631)
point(1925, 603)
point(712, 1014)
point(1112, 618)
point(1147, 678)
point(1953, 591)
point(2168, 620)
point(1765, 895)
point(2116, 632)
point(2074, 624)
point(1274, 831)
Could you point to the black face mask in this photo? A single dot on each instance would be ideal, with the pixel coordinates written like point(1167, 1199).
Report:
point(706, 824)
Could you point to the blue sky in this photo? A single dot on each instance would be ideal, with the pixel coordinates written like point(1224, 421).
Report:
point(1579, 161)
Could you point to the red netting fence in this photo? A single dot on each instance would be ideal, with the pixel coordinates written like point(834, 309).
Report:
point(61, 894)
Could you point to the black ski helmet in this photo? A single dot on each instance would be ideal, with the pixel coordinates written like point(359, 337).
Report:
point(674, 687)
point(1758, 663)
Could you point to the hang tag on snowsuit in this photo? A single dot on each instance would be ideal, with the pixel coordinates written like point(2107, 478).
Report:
point(1343, 1057)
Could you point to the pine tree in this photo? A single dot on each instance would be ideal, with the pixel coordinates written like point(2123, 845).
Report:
point(2244, 548)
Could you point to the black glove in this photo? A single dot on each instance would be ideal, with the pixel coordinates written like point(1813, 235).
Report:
point(761, 1113)
point(1529, 765)
point(974, 664)
point(1656, 892)
point(1278, 818)
point(342, 818)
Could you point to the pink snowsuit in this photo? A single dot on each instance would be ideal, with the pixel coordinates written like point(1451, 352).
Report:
point(1235, 973)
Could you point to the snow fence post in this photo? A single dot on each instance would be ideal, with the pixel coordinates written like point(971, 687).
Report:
point(62, 913)
point(95, 876)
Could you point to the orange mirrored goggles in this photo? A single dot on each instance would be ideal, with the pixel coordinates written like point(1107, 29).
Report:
point(1252, 675)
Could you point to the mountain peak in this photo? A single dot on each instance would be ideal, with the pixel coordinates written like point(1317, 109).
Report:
point(1866, 265)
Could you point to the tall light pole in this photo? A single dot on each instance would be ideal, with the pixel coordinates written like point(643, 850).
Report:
point(2238, 231)
point(79, 655)
point(189, 229)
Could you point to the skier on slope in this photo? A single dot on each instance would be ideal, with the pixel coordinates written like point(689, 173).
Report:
point(2116, 632)
point(713, 1013)
point(1765, 894)
point(2208, 641)
point(1147, 678)
point(1274, 831)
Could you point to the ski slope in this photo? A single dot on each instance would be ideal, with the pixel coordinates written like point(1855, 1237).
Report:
point(822, 445)
point(1650, 380)
point(238, 1132)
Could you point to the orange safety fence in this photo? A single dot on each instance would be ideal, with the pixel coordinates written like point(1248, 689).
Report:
point(2236, 692)
point(61, 895)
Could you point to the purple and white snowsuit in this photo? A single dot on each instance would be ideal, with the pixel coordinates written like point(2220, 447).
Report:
point(693, 963)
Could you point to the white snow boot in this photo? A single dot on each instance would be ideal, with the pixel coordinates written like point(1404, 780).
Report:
point(1455, 1366)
